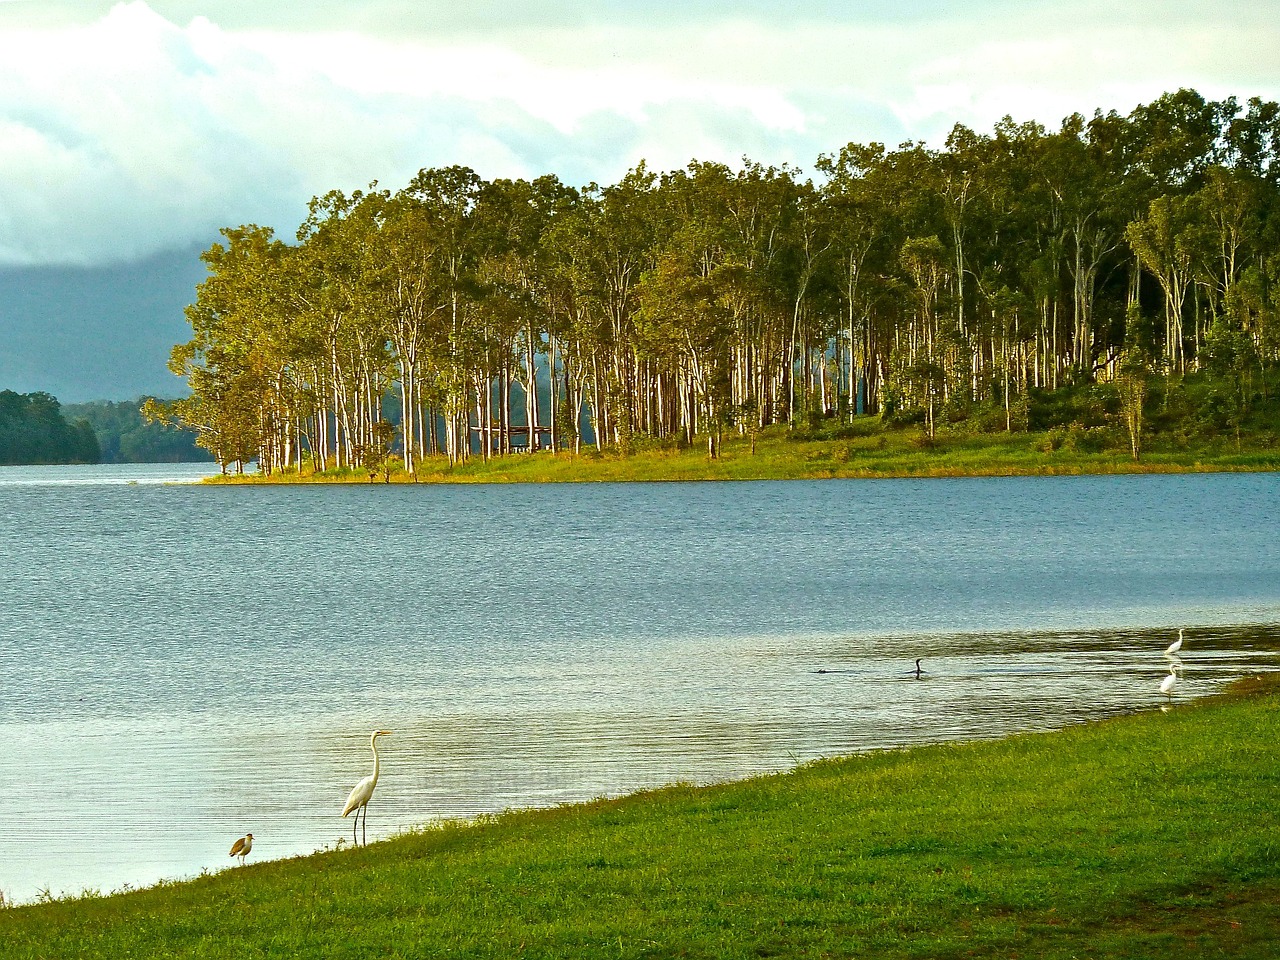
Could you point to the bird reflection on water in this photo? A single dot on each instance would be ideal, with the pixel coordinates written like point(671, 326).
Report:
point(1175, 665)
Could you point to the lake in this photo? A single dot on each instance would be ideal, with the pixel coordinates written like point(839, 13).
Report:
point(181, 664)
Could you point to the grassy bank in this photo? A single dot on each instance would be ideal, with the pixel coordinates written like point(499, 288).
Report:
point(1151, 835)
point(866, 449)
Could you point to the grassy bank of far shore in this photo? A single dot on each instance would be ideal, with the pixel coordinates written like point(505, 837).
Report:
point(864, 450)
point(1149, 835)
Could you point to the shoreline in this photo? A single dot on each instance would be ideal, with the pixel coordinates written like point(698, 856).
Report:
point(1259, 682)
point(780, 456)
point(1048, 844)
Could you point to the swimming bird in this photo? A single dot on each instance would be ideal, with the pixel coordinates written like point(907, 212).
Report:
point(1168, 683)
point(1174, 647)
point(242, 847)
point(918, 670)
point(362, 791)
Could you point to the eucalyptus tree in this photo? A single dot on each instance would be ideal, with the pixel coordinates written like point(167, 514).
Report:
point(604, 244)
point(1167, 148)
point(505, 308)
point(960, 185)
point(1008, 246)
point(408, 290)
point(808, 243)
point(1252, 139)
point(1163, 244)
point(916, 265)
point(760, 204)
point(549, 200)
point(1229, 206)
point(863, 230)
point(691, 301)
point(577, 314)
point(693, 304)
point(336, 300)
point(1171, 142)
point(1046, 202)
point(1230, 355)
point(1253, 143)
point(920, 356)
point(679, 324)
point(515, 275)
point(445, 199)
point(1254, 305)
point(563, 311)
point(221, 410)
point(682, 323)
point(1131, 386)
point(1080, 171)
point(244, 402)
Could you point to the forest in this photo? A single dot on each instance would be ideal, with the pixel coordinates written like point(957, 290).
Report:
point(930, 286)
point(125, 436)
point(34, 430)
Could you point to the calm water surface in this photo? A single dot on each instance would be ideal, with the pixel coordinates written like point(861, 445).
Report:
point(182, 664)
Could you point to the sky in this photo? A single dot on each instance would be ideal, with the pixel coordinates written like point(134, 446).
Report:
point(132, 129)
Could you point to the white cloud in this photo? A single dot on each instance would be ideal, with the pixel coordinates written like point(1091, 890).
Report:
point(130, 128)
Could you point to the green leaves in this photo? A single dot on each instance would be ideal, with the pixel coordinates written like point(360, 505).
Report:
point(935, 282)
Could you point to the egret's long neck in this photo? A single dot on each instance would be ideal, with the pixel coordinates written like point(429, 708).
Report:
point(373, 745)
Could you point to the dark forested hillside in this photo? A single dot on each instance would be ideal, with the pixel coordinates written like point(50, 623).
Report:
point(33, 430)
point(978, 283)
point(125, 436)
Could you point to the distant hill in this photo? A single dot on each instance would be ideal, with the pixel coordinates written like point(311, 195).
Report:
point(33, 429)
point(125, 437)
point(36, 428)
point(96, 333)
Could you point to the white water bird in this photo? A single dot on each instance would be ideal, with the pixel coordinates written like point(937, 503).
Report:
point(1174, 647)
point(1168, 683)
point(242, 847)
point(362, 791)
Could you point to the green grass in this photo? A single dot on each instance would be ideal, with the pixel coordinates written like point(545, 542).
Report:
point(1151, 835)
point(869, 449)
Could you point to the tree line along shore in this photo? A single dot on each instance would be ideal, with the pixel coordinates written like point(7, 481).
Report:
point(1144, 835)
point(460, 317)
point(1073, 430)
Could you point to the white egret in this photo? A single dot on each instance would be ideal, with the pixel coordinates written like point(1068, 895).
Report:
point(242, 847)
point(1168, 683)
point(362, 791)
point(1174, 647)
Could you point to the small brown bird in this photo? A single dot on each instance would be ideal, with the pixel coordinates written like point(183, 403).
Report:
point(242, 847)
